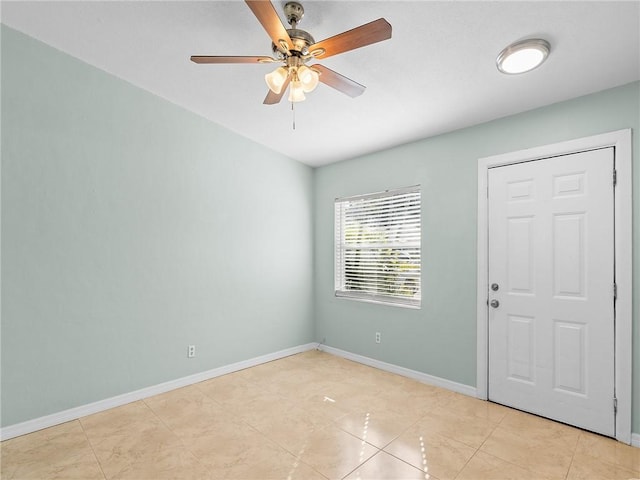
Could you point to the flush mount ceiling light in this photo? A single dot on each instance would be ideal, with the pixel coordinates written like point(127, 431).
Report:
point(523, 56)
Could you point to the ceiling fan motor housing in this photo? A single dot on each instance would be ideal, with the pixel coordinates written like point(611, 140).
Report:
point(301, 39)
point(294, 13)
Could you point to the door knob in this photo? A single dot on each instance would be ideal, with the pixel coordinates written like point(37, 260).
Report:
point(495, 303)
point(495, 287)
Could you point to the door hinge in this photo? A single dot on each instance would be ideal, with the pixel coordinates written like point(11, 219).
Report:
point(615, 405)
point(615, 292)
point(615, 177)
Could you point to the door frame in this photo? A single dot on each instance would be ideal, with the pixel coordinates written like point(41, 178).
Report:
point(621, 141)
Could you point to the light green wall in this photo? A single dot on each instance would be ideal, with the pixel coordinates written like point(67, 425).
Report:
point(129, 231)
point(440, 339)
point(132, 228)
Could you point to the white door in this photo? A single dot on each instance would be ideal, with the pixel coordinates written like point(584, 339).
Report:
point(551, 263)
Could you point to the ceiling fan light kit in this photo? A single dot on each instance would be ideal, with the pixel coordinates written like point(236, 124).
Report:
point(275, 80)
point(303, 80)
point(308, 77)
point(523, 56)
point(296, 93)
point(294, 48)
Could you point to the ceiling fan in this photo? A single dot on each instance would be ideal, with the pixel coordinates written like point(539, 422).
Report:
point(294, 48)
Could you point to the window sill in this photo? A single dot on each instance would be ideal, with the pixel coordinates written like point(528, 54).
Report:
point(378, 300)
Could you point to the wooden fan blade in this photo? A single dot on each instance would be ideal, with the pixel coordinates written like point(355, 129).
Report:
point(219, 59)
point(268, 17)
point(273, 98)
point(361, 36)
point(339, 82)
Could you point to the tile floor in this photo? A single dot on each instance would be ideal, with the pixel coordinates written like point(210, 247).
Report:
point(314, 416)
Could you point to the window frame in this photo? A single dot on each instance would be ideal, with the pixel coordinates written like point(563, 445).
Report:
point(341, 247)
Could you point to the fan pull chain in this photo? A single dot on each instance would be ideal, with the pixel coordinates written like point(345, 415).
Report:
point(293, 113)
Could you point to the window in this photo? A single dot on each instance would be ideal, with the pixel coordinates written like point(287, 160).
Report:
point(377, 247)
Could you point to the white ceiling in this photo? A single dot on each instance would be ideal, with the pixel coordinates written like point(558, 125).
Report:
point(436, 74)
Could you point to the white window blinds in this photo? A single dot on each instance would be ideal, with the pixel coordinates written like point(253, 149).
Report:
point(377, 247)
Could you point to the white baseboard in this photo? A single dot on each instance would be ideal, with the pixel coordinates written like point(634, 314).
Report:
point(405, 372)
point(53, 419)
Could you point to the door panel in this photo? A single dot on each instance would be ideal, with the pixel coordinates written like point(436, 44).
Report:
point(569, 356)
point(521, 349)
point(551, 338)
point(569, 255)
point(520, 255)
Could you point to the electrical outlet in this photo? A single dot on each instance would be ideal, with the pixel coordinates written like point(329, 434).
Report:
point(377, 337)
point(191, 351)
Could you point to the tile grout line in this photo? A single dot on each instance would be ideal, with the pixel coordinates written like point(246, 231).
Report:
point(573, 455)
point(238, 418)
point(255, 384)
point(144, 400)
point(610, 463)
point(360, 465)
point(569, 469)
point(524, 467)
point(478, 448)
point(497, 425)
point(297, 457)
point(182, 441)
point(421, 470)
point(91, 447)
point(180, 438)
